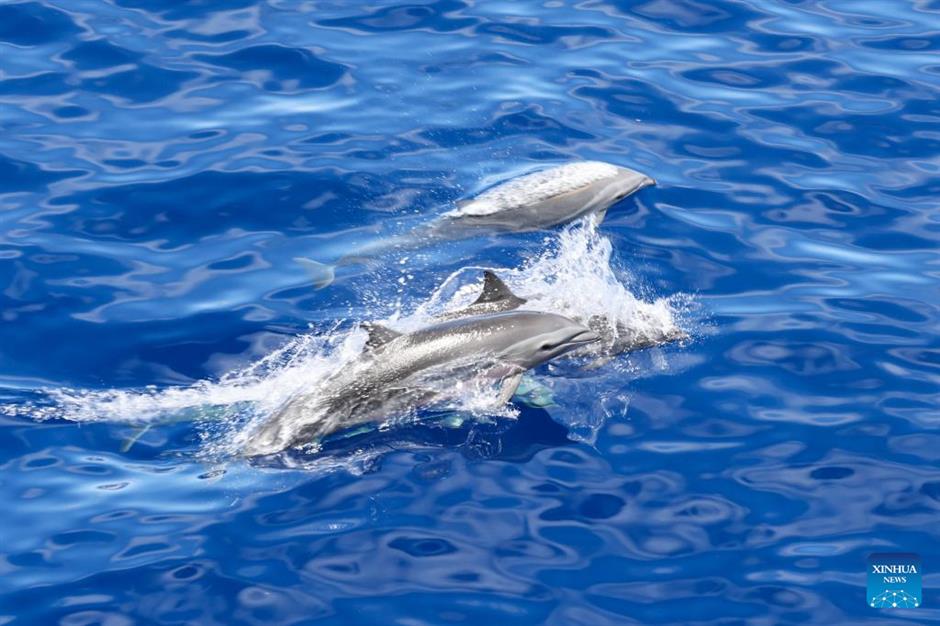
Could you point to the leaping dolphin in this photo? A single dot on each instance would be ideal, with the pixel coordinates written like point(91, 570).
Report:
point(545, 198)
point(535, 201)
point(396, 371)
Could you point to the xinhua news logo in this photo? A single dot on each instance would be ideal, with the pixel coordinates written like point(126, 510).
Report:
point(894, 581)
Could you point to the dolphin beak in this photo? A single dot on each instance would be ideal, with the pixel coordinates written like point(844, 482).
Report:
point(641, 181)
point(634, 180)
point(583, 337)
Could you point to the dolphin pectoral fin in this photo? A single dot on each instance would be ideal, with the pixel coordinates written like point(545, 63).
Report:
point(508, 388)
point(134, 437)
point(321, 274)
point(534, 394)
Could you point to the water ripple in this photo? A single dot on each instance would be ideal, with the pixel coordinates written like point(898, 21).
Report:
point(163, 164)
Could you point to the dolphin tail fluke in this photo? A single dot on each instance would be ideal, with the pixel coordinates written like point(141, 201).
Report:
point(508, 388)
point(321, 274)
point(324, 274)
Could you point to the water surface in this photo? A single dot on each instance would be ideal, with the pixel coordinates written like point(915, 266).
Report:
point(162, 164)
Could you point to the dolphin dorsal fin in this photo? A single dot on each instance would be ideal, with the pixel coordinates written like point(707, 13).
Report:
point(495, 290)
point(379, 335)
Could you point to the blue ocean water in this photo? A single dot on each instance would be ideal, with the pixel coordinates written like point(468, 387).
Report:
point(163, 164)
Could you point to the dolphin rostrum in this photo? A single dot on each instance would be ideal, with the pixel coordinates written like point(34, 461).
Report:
point(616, 337)
point(535, 201)
point(396, 373)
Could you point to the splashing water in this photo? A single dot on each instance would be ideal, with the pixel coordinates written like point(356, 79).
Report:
point(572, 276)
point(575, 276)
point(228, 408)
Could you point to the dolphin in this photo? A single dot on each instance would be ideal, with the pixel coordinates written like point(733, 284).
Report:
point(616, 337)
point(396, 373)
point(535, 201)
point(545, 198)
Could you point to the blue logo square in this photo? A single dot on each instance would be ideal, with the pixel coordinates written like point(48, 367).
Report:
point(894, 580)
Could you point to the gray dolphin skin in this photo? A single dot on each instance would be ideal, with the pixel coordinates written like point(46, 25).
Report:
point(535, 201)
point(545, 198)
point(392, 374)
point(615, 336)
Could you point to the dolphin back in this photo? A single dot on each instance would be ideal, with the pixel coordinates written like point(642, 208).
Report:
point(547, 198)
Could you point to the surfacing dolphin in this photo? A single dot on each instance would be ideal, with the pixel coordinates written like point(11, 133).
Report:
point(543, 199)
point(396, 373)
point(616, 337)
point(535, 201)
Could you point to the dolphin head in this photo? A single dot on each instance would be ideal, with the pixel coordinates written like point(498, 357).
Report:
point(629, 181)
point(620, 185)
point(606, 185)
point(534, 338)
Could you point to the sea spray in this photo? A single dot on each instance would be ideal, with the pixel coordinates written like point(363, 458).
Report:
point(265, 383)
point(575, 275)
